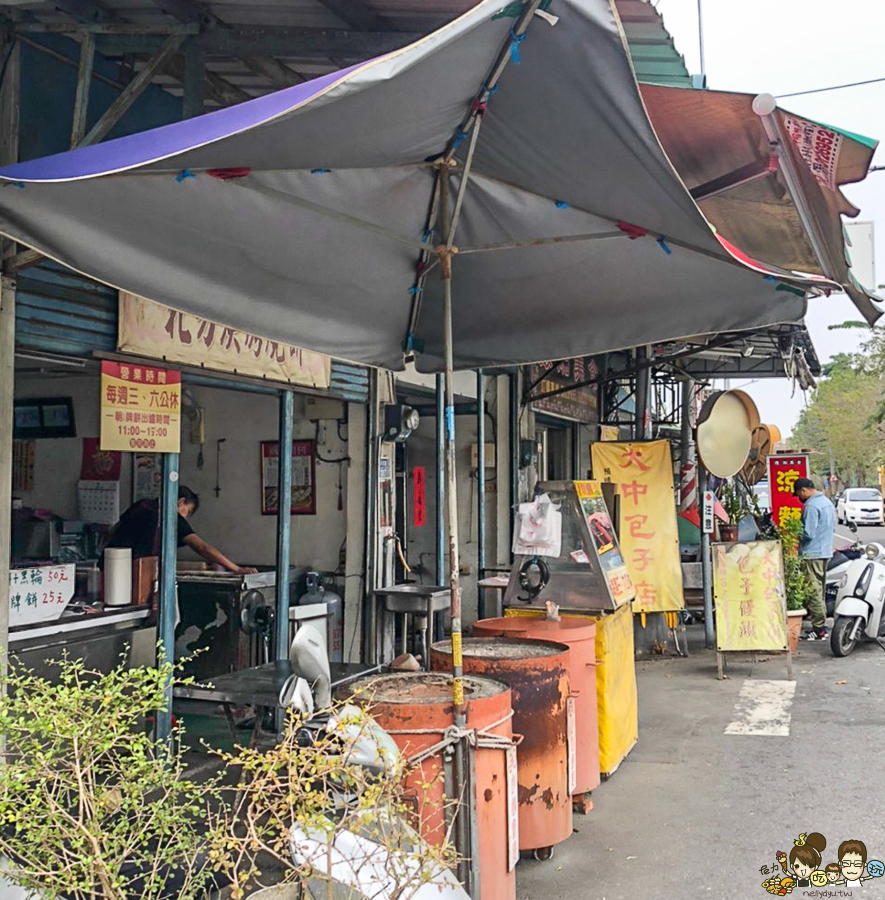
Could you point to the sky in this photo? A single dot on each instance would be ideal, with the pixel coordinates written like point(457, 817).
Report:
point(783, 46)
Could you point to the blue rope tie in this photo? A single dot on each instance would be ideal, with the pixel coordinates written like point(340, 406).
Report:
point(516, 40)
point(426, 235)
point(415, 290)
point(561, 204)
point(184, 173)
point(771, 278)
point(490, 91)
point(320, 171)
point(663, 245)
point(459, 138)
point(18, 184)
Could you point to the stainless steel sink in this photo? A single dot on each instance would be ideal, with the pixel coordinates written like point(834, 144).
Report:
point(415, 598)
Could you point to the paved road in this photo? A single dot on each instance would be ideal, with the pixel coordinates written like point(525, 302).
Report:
point(864, 533)
point(695, 811)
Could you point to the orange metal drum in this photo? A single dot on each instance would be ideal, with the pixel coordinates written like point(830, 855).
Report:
point(416, 709)
point(580, 636)
point(537, 672)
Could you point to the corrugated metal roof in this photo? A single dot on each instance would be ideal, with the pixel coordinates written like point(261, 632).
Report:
point(652, 48)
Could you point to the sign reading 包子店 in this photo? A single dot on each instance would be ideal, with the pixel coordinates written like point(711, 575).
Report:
point(151, 329)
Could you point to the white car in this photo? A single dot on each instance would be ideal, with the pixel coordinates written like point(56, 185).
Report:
point(863, 506)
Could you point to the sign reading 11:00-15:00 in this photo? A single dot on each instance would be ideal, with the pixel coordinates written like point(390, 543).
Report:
point(140, 408)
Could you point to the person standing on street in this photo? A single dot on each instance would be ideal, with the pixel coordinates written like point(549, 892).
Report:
point(815, 548)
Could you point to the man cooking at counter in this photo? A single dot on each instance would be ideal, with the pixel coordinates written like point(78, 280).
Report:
point(139, 528)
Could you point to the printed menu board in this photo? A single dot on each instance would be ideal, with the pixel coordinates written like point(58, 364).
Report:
point(602, 534)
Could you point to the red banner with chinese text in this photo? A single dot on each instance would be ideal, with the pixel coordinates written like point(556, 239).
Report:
point(783, 470)
point(643, 475)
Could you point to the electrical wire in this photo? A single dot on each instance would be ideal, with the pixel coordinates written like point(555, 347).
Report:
point(835, 87)
point(323, 459)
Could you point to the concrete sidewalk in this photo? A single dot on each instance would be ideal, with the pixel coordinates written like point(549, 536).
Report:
point(693, 811)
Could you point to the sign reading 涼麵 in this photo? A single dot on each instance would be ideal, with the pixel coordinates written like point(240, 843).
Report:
point(748, 590)
point(140, 408)
point(151, 329)
point(643, 477)
point(783, 470)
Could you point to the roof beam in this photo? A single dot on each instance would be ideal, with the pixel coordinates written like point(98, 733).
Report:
point(133, 90)
point(256, 40)
point(273, 70)
point(356, 15)
point(102, 28)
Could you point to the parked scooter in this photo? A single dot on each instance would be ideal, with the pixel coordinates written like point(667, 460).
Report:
point(837, 569)
point(859, 603)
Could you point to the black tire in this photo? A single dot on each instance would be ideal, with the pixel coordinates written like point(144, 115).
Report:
point(840, 642)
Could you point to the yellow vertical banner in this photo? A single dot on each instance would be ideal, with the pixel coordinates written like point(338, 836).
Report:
point(748, 588)
point(642, 473)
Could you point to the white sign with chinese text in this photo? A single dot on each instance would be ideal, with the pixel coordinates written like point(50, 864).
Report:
point(39, 594)
point(160, 332)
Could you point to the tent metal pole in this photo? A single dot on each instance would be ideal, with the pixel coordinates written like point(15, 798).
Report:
point(284, 524)
point(480, 490)
point(462, 792)
point(514, 449)
point(440, 481)
point(7, 395)
point(166, 624)
point(706, 566)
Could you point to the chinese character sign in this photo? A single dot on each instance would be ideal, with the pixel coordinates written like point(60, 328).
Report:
point(783, 470)
point(748, 589)
point(40, 594)
point(140, 408)
point(152, 329)
point(643, 475)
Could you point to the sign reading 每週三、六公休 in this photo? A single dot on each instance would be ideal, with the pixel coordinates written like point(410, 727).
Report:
point(783, 471)
point(161, 332)
point(140, 408)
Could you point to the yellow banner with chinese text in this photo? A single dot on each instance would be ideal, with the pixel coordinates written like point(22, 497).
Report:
point(151, 329)
point(140, 408)
point(643, 477)
point(748, 589)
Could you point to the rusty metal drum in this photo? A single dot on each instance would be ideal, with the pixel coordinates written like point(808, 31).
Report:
point(416, 709)
point(537, 673)
point(580, 636)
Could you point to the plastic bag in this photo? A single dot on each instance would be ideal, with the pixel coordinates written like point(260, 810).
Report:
point(538, 530)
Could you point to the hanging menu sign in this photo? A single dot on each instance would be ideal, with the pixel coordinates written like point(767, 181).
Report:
point(140, 408)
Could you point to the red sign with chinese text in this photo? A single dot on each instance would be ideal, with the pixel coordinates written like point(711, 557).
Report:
point(783, 470)
point(419, 492)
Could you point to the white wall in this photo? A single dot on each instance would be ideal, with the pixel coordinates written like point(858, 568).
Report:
point(232, 521)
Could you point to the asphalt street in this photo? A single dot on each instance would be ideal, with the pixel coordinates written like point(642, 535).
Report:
point(695, 811)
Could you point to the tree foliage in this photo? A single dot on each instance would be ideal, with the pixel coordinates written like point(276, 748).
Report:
point(844, 420)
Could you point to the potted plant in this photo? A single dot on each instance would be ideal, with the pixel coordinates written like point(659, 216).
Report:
point(91, 808)
point(797, 586)
point(735, 509)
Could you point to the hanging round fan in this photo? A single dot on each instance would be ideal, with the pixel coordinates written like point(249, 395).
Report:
point(762, 445)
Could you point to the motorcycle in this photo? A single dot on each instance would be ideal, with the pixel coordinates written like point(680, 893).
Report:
point(859, 602)
point(837, 569)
